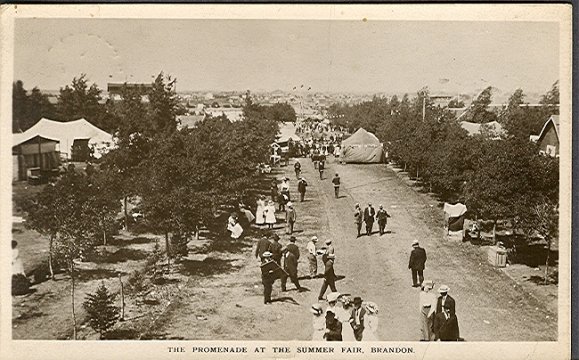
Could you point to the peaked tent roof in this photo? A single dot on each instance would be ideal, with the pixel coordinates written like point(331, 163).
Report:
point(555, 120)
point(361, 137)
point(64, 132)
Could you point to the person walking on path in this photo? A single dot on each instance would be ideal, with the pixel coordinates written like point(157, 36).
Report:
point(290, 218)
point(416, 263)
point(285, 188)
point(290, 265)
point(357, 318)
point(312, 257)
point(318, 322)
point(267, 277)
point(275, 249)
point(321, 167)
point(369, 214)
point(273, 189)
point(259, 213)
point(297, 169)
point(427, 308)
point(445, 299)
point(333, 327)
point(446, 325)
point(302, 185)
point(329, 276)
point(382, 217)
point(328, 250)
point(336, 182)
point(270, 214)
point(262, 246)
point(358, 218)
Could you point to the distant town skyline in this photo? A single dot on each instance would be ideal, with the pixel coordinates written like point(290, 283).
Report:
point(268, 55)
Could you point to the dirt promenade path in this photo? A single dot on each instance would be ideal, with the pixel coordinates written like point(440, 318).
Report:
point(489, 305)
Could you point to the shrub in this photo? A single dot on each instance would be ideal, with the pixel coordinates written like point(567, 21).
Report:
point(20, 284)
point(102, 312)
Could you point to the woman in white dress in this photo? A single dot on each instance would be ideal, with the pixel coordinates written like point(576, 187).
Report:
point(17, 267)
point(270, 214)
point(427, 307)
point(371, 322)
point(259, 213)
point(318, 322)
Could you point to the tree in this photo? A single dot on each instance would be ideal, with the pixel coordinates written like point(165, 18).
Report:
point(281, 112)
point(456, 103)
point(551, 99)
point(104, 200)
point(27, 110)
point(478, 110)
point(102, 312)
point(163, 105)
point(79, 100)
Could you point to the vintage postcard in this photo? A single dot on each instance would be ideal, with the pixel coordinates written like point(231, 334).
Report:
point(284, 181)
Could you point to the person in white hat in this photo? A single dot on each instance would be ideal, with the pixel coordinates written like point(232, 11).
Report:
point(312, 259)
point(329, 276)
point(445, 299)
point(318, 322)
point(427, 308)
point(329, 250)
point(290, 218)
point(416, 263)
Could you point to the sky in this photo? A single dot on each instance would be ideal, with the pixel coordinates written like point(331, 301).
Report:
point(337, 56)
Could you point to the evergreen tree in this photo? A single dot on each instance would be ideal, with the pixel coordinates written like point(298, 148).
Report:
point(102, 312)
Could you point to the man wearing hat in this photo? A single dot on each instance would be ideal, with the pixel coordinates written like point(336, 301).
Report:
point(329, 250)
point(329, 276)
point(446, 325)
point(445, 299)
point(333, 327)
point(382, 217)
point(262, 246)
point(312, 259)
point(267, 278)
point(336, 182)
point(358, 218)
point(369, 214)
point(357, 318)
point(290, 218)
point(302, 185)
point(275, 249)
point(290, 264)
point(416, 263)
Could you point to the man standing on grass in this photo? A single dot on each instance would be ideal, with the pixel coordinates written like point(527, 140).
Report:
point(321, 167)
point(369, 214)
point(290, 218)
point(312, 257)
point(263, 245)
point(336, 182)
point(302, 185)
point(290, 264)
point(275, 249)
point(416, 263)
point(358, 218)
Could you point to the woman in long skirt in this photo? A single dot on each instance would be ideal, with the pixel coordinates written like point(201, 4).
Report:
point(427, 308)
point(270, 215)
point(259, 213)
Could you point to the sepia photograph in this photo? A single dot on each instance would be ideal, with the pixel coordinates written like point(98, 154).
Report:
point(332, 181)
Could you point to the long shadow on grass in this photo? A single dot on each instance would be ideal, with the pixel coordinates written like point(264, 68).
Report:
point(120, 255)
point(97, 274)
point(207, 267)
point(125, 242)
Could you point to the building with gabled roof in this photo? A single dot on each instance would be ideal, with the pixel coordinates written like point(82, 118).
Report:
point(549, 137)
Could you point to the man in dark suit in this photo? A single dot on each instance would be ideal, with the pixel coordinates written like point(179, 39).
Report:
point(444, 299)
point(290, 218)
point(446, 325)
point(275, 249)
point(262, 246)
point(302, 185)
point(357, 318)
point(358, 218)
point(382, 217)
point(369, 214)
point(329, 276)
point(290, 264)
point(416, 263)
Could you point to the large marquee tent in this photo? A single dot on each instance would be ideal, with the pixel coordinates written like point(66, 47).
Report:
point(362, 147)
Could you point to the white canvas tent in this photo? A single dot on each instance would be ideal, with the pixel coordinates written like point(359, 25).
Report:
point(66, 133)
point(362, 147)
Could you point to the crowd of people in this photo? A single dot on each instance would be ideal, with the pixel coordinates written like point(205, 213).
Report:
point(335, 316)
